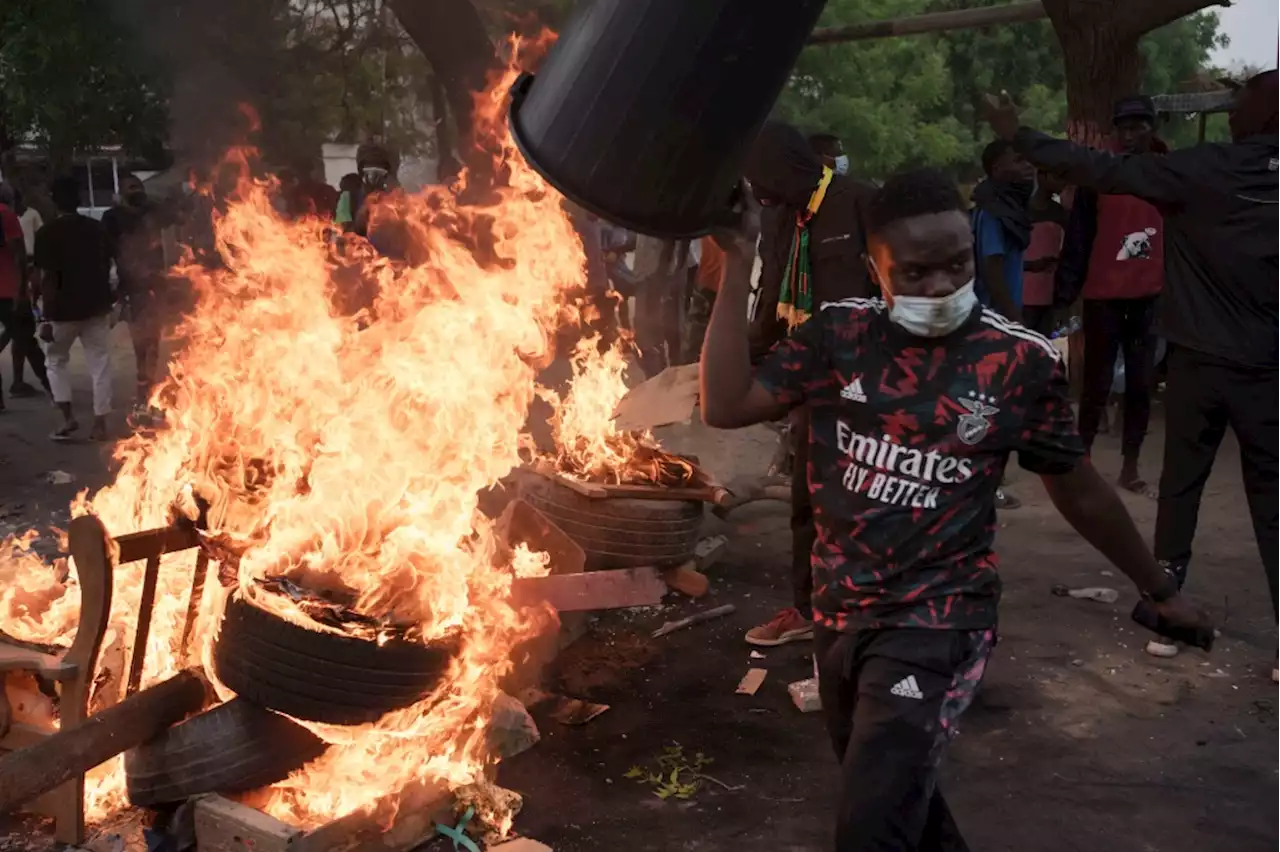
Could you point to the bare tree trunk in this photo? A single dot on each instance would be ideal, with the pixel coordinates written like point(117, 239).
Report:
point(1099, 40)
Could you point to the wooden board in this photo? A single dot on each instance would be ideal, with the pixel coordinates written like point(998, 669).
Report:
point(414, 821)
point(226, 826)
point(624, 587)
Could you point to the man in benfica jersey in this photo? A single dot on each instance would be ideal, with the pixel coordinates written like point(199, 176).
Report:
point(917, 400)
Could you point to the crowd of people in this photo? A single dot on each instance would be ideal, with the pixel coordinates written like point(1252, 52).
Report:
point(920, 365)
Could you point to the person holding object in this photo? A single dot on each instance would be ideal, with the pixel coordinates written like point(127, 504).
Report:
point(811, 251)
point(1219, 310)
point(917, 400)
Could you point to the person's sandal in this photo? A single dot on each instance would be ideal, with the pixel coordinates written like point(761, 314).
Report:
point(67, 432)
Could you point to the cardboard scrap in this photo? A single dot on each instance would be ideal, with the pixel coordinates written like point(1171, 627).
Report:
point(623, 587)
point(575, 711)
point(667, 398)
point(751, 681)
point(520, 844)
point(804, 694)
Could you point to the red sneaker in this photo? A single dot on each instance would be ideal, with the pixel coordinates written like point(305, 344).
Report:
point(787, 626)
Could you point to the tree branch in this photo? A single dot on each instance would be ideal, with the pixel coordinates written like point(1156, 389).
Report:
point(959, 19)
point(1135, 19)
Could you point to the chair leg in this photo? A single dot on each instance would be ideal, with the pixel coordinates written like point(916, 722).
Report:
point(67, 809)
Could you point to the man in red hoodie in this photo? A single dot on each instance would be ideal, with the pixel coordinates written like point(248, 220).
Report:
point(1113, 255)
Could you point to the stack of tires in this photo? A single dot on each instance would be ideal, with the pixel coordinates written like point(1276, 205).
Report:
point(279, 670)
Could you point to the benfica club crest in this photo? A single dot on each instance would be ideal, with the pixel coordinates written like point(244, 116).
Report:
point(974, 425)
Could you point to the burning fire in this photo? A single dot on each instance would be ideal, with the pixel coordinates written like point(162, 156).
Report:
point(588, 443)
point(344, 449)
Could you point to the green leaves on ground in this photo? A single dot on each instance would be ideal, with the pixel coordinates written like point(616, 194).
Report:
point(675, 775)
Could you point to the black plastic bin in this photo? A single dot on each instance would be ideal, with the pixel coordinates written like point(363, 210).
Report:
point(643, 110)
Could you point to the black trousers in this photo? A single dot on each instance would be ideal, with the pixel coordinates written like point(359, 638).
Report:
point(803, 531)
point(1038, 318)
point(891, 699)
point(20, 332)
point(1113, 326)
point(1203, 396)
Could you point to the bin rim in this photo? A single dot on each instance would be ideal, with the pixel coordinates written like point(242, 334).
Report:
point(519, 91)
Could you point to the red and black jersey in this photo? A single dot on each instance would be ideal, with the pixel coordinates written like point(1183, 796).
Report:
point(908, 441)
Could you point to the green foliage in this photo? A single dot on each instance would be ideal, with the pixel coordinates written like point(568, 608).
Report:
point(903, 102)
point(72, 78)
point(675, 774)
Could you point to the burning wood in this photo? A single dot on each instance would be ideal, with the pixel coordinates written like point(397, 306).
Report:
point(354, 443)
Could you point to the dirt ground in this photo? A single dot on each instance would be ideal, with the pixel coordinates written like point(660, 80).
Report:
point(1078, 740)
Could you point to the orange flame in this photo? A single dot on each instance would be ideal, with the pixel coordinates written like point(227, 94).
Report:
point(589, 445)
point(344, 449)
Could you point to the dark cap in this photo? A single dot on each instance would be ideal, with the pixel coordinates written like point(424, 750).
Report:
point(1134, 106)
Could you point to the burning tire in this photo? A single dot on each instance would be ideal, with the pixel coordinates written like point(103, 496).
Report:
point(231, 748)
point(621, 532)
point(322, 677)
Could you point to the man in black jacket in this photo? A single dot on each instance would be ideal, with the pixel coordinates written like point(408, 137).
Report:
point(812, 247)
point(1219, 309)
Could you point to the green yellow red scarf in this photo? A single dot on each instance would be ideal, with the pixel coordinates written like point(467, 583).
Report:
point(795, 302)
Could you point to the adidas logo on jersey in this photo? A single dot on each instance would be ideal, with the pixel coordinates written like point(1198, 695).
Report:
point(907, 688)
point(853, 391)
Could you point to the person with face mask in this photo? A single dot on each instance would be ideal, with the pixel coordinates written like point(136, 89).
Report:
point(1219, 308)
point(1113, 256)
point(917, 400)
point(134, 227)
point(829, 148)
point(811, 252)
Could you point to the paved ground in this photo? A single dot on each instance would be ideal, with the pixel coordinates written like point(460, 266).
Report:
point(1077, 742)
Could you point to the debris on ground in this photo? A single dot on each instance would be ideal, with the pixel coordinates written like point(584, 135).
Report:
point(584, 667)
point(696, 618)
point(751, 681)
point(1101, 594)
point(804, 694)
point(511, 729)
point(59, 477)
point(709, 550)
point(520, 844)
point(756, 655)
point(677, 775)
point(574, 711)
point(687, 579)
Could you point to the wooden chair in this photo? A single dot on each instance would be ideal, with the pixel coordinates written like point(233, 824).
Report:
point(73, 669)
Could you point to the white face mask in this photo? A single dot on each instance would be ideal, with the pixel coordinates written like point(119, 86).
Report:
point(926, 316)
point(842, 164)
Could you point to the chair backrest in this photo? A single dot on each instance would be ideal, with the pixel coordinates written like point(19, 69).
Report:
point(151, 545)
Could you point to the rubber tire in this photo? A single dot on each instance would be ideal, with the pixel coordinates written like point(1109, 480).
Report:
point(322, 677)
point(620, 532)
point(230, 748)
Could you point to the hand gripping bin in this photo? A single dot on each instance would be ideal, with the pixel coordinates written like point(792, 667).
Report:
point(644, 109)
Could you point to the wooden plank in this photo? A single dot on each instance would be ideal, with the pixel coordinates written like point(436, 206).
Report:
point(135, 547)
point(751, 681)
point(15, 659)
point(933, 22)
point(226, 826)
point(146, 603)
point(415, 811)
point(193, 602)
point(71, 752)
point(705, 494)
point(624, 587)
